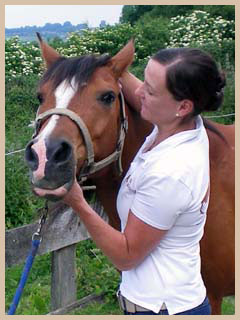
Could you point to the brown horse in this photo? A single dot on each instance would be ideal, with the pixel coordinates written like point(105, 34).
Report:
point(85, 133)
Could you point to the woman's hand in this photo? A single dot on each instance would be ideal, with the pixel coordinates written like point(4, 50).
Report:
point(74, 198)
point(129, 84)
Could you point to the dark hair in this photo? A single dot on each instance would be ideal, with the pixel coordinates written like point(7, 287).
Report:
point(193, 74)
point(81, 68)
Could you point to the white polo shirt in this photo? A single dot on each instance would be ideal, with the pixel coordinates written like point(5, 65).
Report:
point(166, 187)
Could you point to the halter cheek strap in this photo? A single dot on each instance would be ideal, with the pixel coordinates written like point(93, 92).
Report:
point(90, 165)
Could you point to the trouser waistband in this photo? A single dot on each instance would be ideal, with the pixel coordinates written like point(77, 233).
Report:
point(131, 307)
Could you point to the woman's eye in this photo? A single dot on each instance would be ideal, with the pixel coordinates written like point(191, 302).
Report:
point(40, 98)
point(107, 98)
point(147, 89)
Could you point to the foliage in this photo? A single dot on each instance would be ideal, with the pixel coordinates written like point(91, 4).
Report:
point(199, 29)
point(36, 294)
point(131, 13)
point(108, 41)
point(153, 34)
point(24, 58)
point(168, 11)
point(228, 106)
point(95, 274)
point(98, 41)
point(21, 59)
point(21, 102)
point(95, 308)
point(91, 280)
point(226, 11)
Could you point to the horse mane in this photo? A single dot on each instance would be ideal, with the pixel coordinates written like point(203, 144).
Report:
point(208, 125)
point(80, 68)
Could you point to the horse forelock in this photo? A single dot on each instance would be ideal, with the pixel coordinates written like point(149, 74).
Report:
point(80, 68)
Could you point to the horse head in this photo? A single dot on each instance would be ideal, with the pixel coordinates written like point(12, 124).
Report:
point(80, 122)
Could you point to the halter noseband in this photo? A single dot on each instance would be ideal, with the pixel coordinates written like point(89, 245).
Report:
point(90, 166)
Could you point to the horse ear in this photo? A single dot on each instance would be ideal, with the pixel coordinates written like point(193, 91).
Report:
point(122, 59)
point(48, 53)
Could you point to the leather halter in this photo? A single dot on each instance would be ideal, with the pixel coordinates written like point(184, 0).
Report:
point(90, 166)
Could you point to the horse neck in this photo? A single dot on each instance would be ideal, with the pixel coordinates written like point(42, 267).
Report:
point(138, 129)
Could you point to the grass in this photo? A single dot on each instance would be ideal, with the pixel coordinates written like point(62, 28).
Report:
point(95, 274)
point(228, 305)
point(95, 308)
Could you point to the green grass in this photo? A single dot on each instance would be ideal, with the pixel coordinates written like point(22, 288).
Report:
point(94, 308)
point(228, 305)
point(95, 274)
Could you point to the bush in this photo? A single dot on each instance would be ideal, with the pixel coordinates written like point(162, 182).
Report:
point(152, 34)
point(21, 59)
point(21, 104)
point(199, 29)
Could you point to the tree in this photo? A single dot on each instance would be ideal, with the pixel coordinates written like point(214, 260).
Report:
point(227, 12)
point(130, 14)
point(170, 11)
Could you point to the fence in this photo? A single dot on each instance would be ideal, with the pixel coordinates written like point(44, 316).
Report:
point(61, 232)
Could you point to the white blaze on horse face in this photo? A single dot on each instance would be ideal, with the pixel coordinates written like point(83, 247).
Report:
point(63, 94)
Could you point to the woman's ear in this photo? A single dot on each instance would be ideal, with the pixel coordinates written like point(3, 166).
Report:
point(185, 108)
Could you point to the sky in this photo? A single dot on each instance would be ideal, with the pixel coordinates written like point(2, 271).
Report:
point(25, 15)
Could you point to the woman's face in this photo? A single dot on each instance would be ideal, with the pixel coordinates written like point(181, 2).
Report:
point(158, 105)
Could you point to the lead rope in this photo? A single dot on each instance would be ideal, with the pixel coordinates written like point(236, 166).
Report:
point(36, 240)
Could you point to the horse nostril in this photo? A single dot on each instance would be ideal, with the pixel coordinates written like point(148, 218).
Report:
point(31, 157)
point(62, 154)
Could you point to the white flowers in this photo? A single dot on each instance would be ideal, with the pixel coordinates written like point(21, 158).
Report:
point(21, 58)
point(199, 28)
point(195, 29)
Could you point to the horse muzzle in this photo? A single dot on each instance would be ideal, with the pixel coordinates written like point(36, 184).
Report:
point(52, 167)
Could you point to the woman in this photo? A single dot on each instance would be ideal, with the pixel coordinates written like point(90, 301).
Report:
point(163, 198)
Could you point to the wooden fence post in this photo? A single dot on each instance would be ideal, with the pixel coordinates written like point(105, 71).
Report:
point(62, 231)
point(63, 287)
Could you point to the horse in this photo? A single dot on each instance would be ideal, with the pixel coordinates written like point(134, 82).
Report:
point(84, 128)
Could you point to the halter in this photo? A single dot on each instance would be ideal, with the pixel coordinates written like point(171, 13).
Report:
point(90, 166)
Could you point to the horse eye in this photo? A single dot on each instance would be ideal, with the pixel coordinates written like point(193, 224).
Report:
point(107, 98)
point(40, 98)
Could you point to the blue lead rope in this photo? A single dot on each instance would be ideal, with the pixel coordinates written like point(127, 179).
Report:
point(23, 280)
point(36, 240)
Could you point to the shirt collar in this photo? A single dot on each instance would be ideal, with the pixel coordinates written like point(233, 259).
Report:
point(171, 141)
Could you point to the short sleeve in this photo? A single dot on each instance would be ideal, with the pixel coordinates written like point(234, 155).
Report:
point(159, 200)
